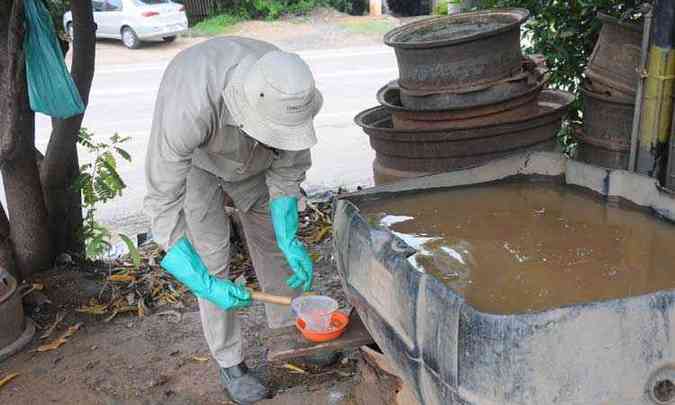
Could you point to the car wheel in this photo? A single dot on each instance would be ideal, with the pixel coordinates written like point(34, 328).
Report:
point(69, 31)
point(130, 39)
point(169, 39)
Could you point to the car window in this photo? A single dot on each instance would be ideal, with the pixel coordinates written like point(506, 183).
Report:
point(113, 5)
point(97, 5)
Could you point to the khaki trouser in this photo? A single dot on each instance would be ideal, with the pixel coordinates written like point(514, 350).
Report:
point(209, 232)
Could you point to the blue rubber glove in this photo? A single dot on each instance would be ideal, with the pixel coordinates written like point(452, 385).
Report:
point(284, 212)
point(184, 263)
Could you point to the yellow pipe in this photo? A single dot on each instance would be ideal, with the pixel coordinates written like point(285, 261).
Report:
point(657, 109)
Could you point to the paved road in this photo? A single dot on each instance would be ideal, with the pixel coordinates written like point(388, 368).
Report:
point(123, 99)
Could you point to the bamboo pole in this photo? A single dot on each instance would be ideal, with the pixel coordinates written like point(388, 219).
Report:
point(657, 109)
point(375, 8)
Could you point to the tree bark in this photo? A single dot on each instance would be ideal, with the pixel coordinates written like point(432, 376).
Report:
point(11, 68)
point(60, 166)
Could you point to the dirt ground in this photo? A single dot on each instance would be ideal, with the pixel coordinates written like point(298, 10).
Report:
point(160, 357)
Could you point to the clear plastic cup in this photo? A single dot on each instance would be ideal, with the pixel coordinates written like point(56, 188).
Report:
point(316, 311)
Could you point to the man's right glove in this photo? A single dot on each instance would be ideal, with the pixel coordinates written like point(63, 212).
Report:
point(184, 263)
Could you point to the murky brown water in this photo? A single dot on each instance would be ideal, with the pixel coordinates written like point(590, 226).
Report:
point(528, 247)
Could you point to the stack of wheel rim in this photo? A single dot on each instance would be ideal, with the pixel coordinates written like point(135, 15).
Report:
point(609, 95)
point(465, 96)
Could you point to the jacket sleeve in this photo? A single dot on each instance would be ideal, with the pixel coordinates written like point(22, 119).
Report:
point(169, 158)
point(287, 172)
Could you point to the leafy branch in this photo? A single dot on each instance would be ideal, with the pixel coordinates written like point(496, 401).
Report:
point(99, 182)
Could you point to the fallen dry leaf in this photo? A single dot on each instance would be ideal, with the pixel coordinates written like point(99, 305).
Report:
point(7, 379)
point(61, 340)
point(96, 309)
point(111, 317)
point(294, 369)
point(318, 211)
point(57, 321)
point(200, 359)
point(141, 309)
point(126, 308)
point(321, 235)
point(122, 278)
point(177, 317)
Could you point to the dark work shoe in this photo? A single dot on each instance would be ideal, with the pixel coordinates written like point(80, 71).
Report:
point(242, 387)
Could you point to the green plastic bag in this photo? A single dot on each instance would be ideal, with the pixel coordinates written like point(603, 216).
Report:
point(51, 89)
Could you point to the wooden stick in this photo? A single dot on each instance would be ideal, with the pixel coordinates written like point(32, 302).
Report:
point(270, 299)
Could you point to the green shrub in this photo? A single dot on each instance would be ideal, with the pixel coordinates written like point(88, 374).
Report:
point(267, 9)
point(441, 7)
point(273, 9)
point(217, 25)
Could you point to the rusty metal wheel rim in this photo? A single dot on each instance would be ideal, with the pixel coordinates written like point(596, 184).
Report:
point(517, 15)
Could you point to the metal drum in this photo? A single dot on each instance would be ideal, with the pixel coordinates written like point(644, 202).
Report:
point(608, 124)
point(616, 56)
point(15, 331)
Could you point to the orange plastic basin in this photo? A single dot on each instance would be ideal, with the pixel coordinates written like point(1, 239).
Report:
point(339, 321)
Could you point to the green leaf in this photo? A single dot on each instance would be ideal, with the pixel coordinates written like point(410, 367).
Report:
point(133, 250)
point(102, 189)
point(97, 247)
point(96, 237)
point(109, 159)
point(125, 155)
point(567, 34)
point(113, 179)
point(85, 182)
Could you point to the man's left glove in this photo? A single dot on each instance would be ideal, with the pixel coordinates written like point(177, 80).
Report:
point(184, 263)
point(284, 211)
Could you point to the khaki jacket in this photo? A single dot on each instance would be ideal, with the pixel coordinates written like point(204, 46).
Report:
point(192, 127)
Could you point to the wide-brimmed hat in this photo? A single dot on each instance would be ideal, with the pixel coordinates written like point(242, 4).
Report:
point(274, 100)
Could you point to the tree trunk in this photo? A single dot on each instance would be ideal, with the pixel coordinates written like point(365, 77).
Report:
point(60, 166)
point(25, 206)
point(27, 211)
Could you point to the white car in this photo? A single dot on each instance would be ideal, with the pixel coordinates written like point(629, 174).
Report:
point(134, 21)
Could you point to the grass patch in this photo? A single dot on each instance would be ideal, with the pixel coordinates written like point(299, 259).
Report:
point(441, 7)
point(367, 26)
point(217, 25)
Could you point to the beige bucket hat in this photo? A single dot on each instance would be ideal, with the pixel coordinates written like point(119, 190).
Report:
point(274, 100)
